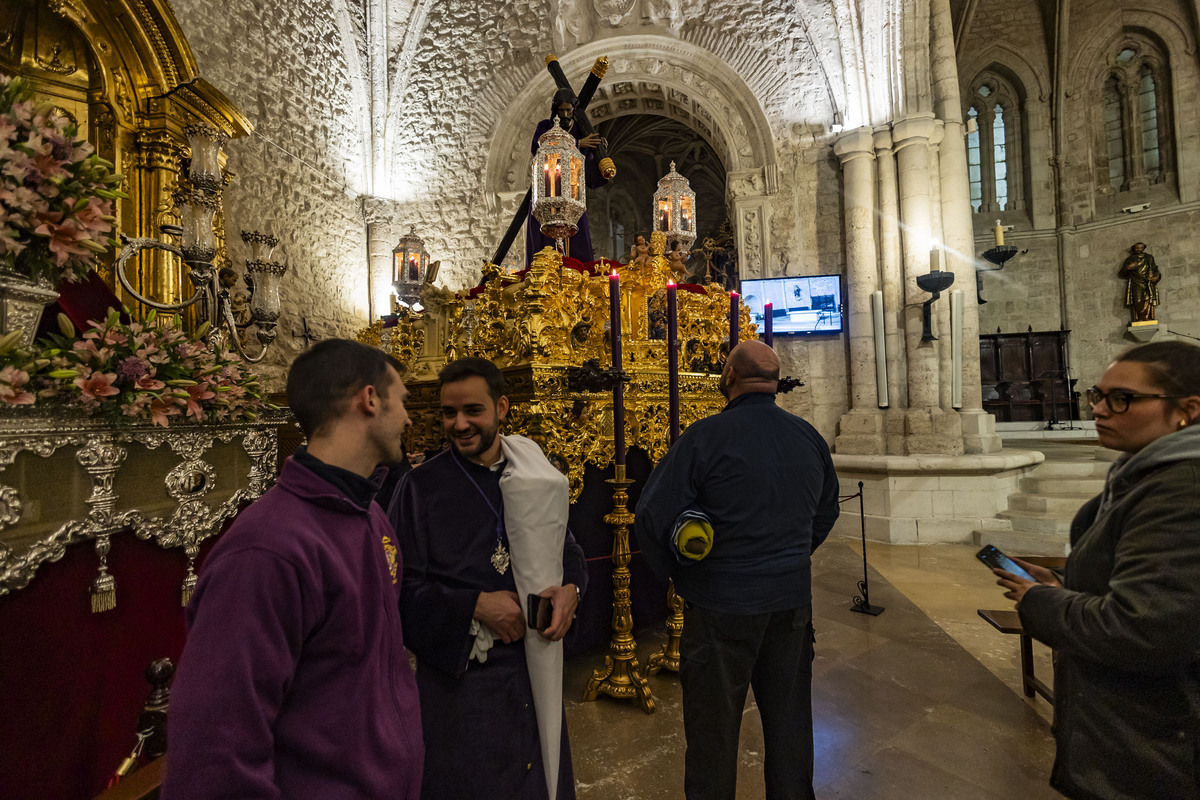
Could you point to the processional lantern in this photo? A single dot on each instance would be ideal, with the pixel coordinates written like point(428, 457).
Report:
point(675, 210)
point(411, 267)
point(559, 188)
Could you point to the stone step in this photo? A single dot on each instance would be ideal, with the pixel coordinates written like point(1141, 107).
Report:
point(1061, 486)
point(1062, 505)
point(1071, 469)
point(1024, 543)
point(1037, 522)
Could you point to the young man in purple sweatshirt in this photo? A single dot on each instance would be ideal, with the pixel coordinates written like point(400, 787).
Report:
point(294, 681)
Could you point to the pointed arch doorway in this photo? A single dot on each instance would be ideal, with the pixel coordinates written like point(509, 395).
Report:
point(643, 147)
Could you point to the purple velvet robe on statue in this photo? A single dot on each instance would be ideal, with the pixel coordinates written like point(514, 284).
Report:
point(580, 245)
point(481, 734)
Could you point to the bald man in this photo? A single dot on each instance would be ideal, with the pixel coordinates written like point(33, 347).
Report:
point(733, 514)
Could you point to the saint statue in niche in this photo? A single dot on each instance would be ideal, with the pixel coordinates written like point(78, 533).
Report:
point(1141, 288)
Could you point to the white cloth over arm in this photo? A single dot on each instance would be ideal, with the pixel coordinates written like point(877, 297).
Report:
point(536, 501)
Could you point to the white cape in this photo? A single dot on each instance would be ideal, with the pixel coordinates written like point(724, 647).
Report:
point(535, 515)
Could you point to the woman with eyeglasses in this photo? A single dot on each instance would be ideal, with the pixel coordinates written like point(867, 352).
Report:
point(1123, 617)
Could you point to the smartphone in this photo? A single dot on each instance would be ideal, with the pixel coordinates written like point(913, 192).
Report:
point(994, 558)
point(540, 612)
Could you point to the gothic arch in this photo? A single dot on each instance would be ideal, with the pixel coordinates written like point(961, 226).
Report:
point(1002, 57)
point(1094, 50)
point(692, 85)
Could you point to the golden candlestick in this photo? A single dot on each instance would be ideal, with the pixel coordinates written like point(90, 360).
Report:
point(621, 677)
point(668, 656)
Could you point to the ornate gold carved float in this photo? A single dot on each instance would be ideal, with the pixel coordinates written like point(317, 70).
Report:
point(547, 331)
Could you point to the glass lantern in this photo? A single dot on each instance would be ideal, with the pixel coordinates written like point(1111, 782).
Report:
point(261, 245)
point(559, 189)
point(204, 169)
point(410, 267)
point(675, 210)
point(264, 294)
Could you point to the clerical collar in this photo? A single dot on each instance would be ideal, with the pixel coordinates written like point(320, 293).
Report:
point(356, 488)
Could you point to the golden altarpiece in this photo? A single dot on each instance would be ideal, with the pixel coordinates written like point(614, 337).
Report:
point(123, 71)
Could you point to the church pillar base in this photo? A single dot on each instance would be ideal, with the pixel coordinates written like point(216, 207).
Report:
point(979, 432)
point(928, 499)
point(861, 432)
point(932, 431)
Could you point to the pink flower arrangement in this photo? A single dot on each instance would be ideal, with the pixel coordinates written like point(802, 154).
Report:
point(56, 193)
point(130, 371)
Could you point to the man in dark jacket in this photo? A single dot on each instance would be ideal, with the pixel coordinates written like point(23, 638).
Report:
point(294, 681)
point(733, 514)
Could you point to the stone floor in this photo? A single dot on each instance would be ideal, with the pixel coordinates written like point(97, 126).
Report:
point(922, 701)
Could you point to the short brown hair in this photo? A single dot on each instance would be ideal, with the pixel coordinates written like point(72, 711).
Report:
point(324, 377)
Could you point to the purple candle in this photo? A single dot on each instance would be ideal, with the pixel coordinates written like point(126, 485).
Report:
point(672, 361)
point(734, 319)
point(614, 298)
point(768, 324)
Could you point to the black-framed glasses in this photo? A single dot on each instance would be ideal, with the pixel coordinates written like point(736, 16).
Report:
point(1118, 400)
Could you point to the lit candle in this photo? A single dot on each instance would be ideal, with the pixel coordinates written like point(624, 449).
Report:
point(999, 231)
point(614, 297)
point(734, 319)
point(935, 260)
point(666, 218)
point(672, 362)
point(557, 180)
point(547, 184)
point(768, 324)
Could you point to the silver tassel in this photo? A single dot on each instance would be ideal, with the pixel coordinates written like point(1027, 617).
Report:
point(104, 592)
point(189, 585)
point(104, 587)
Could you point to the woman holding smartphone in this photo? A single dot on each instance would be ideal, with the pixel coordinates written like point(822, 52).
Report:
point(1123, 617)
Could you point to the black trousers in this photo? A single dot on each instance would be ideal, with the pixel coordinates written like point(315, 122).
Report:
point(722, 655)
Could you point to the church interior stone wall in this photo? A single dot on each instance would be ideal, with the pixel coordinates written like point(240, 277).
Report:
point(417, 115)
point(1075, 229)
point(291, 68)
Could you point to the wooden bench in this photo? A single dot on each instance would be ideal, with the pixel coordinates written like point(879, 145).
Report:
point(1010, 622)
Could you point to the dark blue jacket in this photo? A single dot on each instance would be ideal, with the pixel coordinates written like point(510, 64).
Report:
point(765, 480)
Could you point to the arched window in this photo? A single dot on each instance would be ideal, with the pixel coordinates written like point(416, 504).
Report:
point(994, 146)
point(1136, 115)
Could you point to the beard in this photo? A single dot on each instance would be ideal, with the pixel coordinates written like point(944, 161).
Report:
point(486, 437)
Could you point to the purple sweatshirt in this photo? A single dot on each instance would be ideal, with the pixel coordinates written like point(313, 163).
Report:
point(294, 681)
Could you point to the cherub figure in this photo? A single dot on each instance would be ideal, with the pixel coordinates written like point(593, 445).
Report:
point(639, 253)
point(677, 259)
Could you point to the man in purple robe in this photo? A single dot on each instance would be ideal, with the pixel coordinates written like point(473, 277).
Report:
point(461, 610)
point(294, 681)
point(580, 245)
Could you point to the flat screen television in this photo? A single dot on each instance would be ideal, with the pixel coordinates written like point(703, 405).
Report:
point(807, 304)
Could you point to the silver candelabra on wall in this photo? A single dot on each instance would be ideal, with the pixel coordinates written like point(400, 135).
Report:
point(214, 301)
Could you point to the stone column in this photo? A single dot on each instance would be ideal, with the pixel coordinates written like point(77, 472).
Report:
point(862, 430)
point(377, 213)
point(941, 309)
point(892, 284)
point(928, 428)
point(979, 427)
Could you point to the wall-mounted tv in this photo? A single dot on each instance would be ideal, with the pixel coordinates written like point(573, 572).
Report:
point(801, 304)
